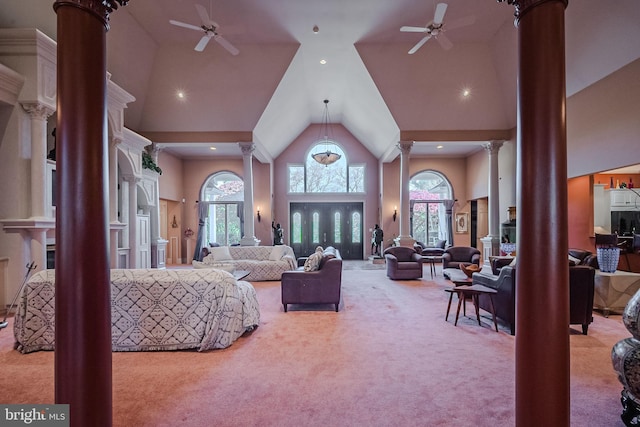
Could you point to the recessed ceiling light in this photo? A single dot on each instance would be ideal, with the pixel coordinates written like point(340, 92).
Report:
point(439, 147)
point(323, 61)
point(181, 95)
point(212, 148)
point(465, 92)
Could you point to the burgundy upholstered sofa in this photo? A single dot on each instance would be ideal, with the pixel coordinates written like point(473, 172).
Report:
point(322, 286)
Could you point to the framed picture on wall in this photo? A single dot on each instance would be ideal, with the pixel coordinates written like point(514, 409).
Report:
point(462, 223)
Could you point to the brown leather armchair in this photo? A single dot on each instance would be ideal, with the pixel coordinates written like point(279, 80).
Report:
point(456, 255)
point(403, 263)
point(581, 289)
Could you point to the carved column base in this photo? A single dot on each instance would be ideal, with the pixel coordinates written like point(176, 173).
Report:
point(490, 247)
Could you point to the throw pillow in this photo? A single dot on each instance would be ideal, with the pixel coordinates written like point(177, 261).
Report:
point(277, 252)
point(221, 254)
point(575, 260)
point(313, 262)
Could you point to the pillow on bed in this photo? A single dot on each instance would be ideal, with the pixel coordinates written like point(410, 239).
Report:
point(221, 254)
point(277, 252)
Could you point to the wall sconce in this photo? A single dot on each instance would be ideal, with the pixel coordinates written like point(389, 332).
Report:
point(258, 214)
point(395, 213)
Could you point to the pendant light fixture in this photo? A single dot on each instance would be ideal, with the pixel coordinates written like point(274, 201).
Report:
point(326, 157)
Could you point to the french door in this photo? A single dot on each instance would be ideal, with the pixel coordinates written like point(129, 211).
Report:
point(327, 224)
point(428, 221)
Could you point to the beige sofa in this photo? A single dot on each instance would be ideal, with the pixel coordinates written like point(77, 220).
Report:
point(262, 262)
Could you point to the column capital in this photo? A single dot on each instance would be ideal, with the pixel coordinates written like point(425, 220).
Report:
point(100, 8)
point(522, 6)
point(247, 148)
point(37, 110)
point(115, 141)
point(405, 147)
point(132, 179)
point(492, 147)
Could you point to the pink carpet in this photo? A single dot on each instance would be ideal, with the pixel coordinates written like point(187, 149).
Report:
point(388, 358)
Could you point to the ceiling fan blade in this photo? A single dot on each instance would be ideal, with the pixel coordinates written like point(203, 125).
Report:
point(419, 45)
point(441, 8)
point(225, 44)
point(204, 16)
point(461, 22)
point(407, 29)
point(202, 43)
point(444, 41)
point(182, 24)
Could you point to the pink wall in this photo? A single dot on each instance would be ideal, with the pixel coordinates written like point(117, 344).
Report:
point(170, 182)
point(297, 152)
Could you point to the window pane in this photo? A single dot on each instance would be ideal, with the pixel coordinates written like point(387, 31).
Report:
point(428, 221)
point(337, 228)
point(223, 186)
point(296, 228)
point(326, 179)
point(315, 228)
point(356, 179)
point(356, 228)
point(296, 179)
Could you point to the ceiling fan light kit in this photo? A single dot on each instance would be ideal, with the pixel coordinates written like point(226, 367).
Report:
point(210, 29)
point(435, 29)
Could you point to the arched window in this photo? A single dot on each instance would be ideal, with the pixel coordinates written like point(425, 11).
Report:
point(296, 228)
point(338, 177)
point(427, 191)
point(337, 228)
point(224, 193)
point(315, 228)
point(356, 227)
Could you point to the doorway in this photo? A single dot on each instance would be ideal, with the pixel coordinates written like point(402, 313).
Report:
point(327, 224)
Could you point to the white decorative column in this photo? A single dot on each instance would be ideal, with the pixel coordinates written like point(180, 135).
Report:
point(125, 219)
point(491, 243)
point(131, 182)
point(404, 239)
point(249, 238)
point(114, 225)
point(38, 114)
point(158, 244)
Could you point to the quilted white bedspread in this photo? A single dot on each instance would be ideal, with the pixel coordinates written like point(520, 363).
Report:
point(151, 310)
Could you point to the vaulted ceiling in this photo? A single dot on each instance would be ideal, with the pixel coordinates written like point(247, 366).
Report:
point(274, 88)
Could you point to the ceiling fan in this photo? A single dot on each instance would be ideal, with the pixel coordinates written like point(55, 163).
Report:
point(436, 29)
point(210, 29)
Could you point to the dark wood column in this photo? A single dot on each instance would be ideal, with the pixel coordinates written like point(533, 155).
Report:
point(83, 314)
point(542, 275)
